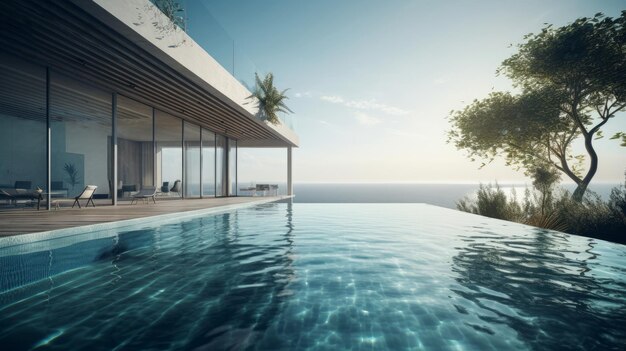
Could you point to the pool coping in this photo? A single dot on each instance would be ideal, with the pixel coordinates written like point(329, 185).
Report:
point(141, 222)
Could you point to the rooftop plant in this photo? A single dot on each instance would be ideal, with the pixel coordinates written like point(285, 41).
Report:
point(270, 100)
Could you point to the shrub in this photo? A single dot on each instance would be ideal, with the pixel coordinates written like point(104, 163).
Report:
point(541, 208)
point(593, 217)
point(492, 202)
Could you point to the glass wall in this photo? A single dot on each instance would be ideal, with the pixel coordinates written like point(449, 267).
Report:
point(23, 128)
point(191, 184)
point(208, 163)
point(262, 166)
point(135, 149)
point(232, 167)
point(80, 120)
point(169, 153)
point(153, 147)
point(221, 177)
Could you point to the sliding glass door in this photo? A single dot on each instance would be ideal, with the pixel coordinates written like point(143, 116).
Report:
point(221, 175)
point(208, 163)
point(135, 149)
point(192, 160)
point(80, 120)
point(169, 153)
point(23, 125)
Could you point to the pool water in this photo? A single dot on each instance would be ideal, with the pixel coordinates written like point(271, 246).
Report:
point(316, 276)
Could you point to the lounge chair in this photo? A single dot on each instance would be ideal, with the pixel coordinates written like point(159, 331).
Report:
point(177, 188)
point(145, 194)
point(87, 194)
point(13, 195)
point(23, 184)
point(165, 189)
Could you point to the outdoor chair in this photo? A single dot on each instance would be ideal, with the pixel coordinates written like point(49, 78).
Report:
point(165, 189)
point(274, 189)
point(128, 188)
point(145, 194)
point(13, 195)
point(87, 194)
point(177, 188)
point(263, 188)
point(23, 184)
point(58, 189)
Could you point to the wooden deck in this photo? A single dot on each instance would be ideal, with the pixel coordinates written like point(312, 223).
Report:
point(29, 220)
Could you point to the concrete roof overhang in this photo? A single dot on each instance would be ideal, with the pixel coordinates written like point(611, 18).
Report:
point(114, 44)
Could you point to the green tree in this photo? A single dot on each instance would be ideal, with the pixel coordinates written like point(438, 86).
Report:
point(270, 100)
point(572, 81)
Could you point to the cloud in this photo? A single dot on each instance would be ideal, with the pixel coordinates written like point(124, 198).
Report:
point(403, 133)
point(366, 119)
point(440, 80)
point(333, 98)
point(304, 94)
point(369, 105)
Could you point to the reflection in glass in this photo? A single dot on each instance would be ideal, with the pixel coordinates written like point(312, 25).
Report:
point(232, 168)
point(221, 186)
point(80, 138)
point(135, 152)
point(192, 160)
point(169, 160)
point(208, 163)
point(22, 126)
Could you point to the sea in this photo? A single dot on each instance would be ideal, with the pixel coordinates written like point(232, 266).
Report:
point(439, 194)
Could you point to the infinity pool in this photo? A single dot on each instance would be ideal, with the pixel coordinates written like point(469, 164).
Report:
point(315, 276)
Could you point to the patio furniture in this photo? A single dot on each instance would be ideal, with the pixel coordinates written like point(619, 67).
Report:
point(165, 189)
point(13, 195)
point(145, 194)
point(250, 189)
point(87, 194)
point(23, 184)
point(56, 188)
point(128, 189)
point(263, 188)
point(177, 188)
point(274, 189)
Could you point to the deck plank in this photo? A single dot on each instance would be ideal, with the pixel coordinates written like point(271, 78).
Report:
point(28, 220)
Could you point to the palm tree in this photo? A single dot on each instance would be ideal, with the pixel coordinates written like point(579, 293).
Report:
point(270, 101)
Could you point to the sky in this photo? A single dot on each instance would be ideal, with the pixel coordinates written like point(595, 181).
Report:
point(372, 82)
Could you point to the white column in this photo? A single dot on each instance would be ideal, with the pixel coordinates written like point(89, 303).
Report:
point(289, 172)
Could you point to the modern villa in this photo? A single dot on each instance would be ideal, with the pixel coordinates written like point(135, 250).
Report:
point(112, 93)
point(139, 102)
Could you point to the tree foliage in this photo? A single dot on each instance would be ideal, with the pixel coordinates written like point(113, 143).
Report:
point(270, 100)
point(572, 81)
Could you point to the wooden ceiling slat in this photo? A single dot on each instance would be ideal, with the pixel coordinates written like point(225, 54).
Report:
point(157, 67)
point(118, 77)
point(99, 54)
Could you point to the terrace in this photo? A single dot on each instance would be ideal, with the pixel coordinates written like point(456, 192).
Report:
point(96, 93)
point(32, 221)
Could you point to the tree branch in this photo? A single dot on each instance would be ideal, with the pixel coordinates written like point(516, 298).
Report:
point(565, 168)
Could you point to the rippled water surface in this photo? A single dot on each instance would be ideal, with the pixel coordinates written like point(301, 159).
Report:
point(316, 276)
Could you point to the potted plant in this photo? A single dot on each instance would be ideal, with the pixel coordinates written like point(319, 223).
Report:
point(72, 174)
point(269, 100)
